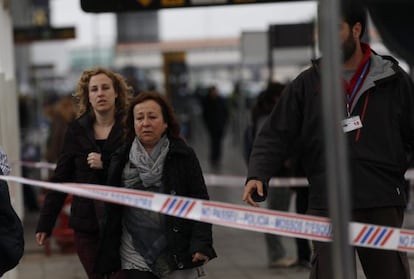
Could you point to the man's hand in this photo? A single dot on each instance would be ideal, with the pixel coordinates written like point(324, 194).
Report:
point(251, 187)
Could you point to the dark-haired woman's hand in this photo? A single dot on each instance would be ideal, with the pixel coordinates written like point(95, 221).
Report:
point(200, 257)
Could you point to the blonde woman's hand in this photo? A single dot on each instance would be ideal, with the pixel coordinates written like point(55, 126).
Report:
point(94, 161)
point(41, 238)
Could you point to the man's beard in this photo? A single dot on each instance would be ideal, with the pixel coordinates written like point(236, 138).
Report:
point(348, 48)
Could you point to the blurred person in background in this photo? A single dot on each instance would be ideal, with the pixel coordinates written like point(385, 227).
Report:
point(33, 125)
point(378, 124)
point(89, 142)
point(62, 113)
point(279, 197)
point(236, 104)
point(215, 116)
point(147, 244)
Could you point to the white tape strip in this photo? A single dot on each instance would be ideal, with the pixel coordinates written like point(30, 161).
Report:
point(221, 180)
point(210, 179)
point(37, 165)
point(239, 181)
point(236, 216)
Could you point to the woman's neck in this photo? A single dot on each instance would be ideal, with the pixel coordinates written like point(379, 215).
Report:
point(104, 120)
point(103, 125)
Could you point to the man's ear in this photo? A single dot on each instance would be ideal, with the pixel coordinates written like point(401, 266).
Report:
point(357, 30)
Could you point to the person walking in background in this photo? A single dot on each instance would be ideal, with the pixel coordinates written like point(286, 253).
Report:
point(279, 197)
point(379, 127)
point(236, 110)
point(154, 158)
point(62, 113)
point(215, 116)
point(89, 142)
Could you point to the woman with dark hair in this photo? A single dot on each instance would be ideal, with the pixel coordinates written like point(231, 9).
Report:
point(89, 142)
point(143, 243)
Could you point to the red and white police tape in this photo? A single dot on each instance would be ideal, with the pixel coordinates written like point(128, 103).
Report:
point(236, 216)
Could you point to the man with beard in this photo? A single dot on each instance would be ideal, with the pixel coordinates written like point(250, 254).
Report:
point(379, 128)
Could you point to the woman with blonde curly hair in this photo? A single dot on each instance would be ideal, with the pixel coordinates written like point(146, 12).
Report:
point(89, 142)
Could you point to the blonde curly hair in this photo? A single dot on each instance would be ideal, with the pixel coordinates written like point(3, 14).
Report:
point(120, 86)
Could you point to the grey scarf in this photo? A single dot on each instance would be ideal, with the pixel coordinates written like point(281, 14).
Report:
point(144, 172)
point(149, 165)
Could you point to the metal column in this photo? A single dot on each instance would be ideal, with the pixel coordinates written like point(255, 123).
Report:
point(335, 145)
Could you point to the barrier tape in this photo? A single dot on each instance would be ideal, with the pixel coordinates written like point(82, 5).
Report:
point(37, 165)
point(238, 181)
point(210, 179)
point(236, 216)
point(219, 180)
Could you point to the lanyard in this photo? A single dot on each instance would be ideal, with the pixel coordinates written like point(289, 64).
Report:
point(350, 97)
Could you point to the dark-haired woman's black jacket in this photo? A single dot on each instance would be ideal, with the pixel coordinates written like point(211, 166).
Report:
point(72, 167)
point(182, 176)
point(11, 231)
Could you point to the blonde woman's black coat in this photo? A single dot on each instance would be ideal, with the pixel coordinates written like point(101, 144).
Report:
point(72, 167)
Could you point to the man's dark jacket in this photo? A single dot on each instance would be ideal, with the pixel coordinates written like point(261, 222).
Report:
point(378, 152)
point(72, 166)
point(182, 176)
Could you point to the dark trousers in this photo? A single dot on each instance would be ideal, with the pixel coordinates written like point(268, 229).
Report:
point(278, 199)
point(303, 247)
point(87, 247)
point(377, 264)
point(137, 274)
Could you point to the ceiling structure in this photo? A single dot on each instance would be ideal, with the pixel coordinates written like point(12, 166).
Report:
point(393, 18)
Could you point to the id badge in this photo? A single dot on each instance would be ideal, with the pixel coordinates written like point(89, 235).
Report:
point(351, 123)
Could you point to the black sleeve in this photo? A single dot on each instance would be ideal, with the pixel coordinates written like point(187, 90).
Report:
point(64, 172)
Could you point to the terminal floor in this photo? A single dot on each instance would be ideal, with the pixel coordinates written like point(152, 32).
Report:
point(241, 254)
